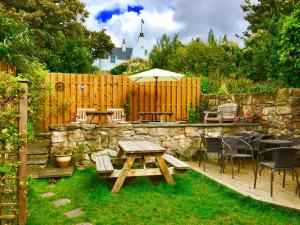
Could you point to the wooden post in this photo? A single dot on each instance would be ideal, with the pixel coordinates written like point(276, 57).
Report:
point(22, 151)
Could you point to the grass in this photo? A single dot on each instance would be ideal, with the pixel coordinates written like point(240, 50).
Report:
point(194, 199)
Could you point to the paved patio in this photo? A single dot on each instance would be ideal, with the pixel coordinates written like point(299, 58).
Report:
point(243, 183)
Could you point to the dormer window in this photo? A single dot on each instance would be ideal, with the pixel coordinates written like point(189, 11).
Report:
point(113, 59)
point(145, 52)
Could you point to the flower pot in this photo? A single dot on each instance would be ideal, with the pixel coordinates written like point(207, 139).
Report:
point(63, 161)
point(250, 119)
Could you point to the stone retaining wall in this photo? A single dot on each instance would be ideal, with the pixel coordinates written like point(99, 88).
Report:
point(280, 111)
point(181, 140)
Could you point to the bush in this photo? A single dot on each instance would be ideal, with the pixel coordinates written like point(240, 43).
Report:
point(119, 69)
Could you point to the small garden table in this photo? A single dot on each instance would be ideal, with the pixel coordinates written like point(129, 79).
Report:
point(91, 114)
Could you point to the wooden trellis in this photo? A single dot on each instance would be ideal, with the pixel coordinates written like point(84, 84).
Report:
point(13, 183)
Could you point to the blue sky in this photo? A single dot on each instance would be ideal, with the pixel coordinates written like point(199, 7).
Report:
point(105, 15)
point(188, 18)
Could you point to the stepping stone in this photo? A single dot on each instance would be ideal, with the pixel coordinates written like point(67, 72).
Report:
point(48, 195)
point(61, 202)
point(74, 213)
point(84, 223)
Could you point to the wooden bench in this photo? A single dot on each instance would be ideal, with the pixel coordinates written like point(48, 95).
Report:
point(176, 163)
point(103, 164)
point(225, 113)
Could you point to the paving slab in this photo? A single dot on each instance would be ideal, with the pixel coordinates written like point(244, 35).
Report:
point(74, 213)
point(61, 202)
point(48, 195)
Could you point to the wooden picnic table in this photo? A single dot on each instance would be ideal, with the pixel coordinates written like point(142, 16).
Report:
point(152, 114)
point(91, 115)
point(141, 150)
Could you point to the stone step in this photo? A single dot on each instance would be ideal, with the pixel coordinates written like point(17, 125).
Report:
point(50, 172)
point(39, 147)
point(36, 167)
point(37, 157)
point(37, 162)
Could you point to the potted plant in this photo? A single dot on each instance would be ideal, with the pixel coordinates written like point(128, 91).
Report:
point(63, 157)
point(79, 155)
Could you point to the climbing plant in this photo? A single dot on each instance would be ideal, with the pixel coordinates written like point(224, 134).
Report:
point(9, 143)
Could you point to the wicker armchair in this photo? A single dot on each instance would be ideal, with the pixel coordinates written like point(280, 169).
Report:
point(231, 146)
point(284, 160)
point(211, 145)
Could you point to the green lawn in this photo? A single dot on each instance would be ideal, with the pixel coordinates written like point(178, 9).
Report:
point(193, 200)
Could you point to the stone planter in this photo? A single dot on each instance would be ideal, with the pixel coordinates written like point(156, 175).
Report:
point(63, 161)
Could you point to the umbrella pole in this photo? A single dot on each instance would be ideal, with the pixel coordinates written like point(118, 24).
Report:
point(156, 97)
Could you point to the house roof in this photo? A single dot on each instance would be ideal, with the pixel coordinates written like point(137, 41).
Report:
point(120, 54)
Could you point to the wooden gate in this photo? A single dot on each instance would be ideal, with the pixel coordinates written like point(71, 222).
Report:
point(102, 91)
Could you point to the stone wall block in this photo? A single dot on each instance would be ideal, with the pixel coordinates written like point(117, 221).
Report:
point(181, 136)
point(94, 145)
point(185, 143)
point(192, 132)
point(178, 131)
point(281, 110)
point(91, 135)
point(76, 135)
point(161, 131)
point(141, 130)
point(58, 136)
point(196, 143)
point(282, 96)
point(268, 111)
point(170, 145)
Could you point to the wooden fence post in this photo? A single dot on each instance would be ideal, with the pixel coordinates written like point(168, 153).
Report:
point(22, 151)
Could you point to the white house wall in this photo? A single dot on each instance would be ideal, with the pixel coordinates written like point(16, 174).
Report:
point(105, 65)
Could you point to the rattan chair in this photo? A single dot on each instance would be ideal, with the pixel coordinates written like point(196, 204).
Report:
point(284, 159)
point(231, 145)
point(211, 145)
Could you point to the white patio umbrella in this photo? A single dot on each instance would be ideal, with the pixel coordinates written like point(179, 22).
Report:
point(155, 75)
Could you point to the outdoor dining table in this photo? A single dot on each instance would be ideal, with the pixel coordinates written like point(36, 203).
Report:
point(275, 143)
point(140, 149)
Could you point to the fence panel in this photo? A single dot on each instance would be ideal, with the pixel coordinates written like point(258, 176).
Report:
point(7, 68)
point(102, 91)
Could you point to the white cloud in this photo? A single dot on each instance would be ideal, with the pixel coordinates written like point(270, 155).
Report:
point(189, 18)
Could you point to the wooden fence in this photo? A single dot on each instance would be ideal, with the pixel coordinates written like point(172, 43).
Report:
point(102, 91)
point(7, 68)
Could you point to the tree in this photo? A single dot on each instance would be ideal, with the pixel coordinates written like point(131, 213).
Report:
point(163, 52)
point(260, 55)
point(211, 39)
point(289, 52)
point(57, 25)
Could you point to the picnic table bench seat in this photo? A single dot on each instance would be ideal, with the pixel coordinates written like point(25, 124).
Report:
point(103, 164)
point(176, 163)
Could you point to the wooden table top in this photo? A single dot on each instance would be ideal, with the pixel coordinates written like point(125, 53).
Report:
point(156, 113)
point(98, 113)
point(275, 141)
point(140, 147)
point(296, 147)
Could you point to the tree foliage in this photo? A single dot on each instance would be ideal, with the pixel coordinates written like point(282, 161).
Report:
point(197, 57)
point(61, 40)
point(261, 53)
point(131, 67)
point(289, 52)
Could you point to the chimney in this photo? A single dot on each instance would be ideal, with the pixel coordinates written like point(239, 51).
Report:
point(123, 46)
point(141, 34)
